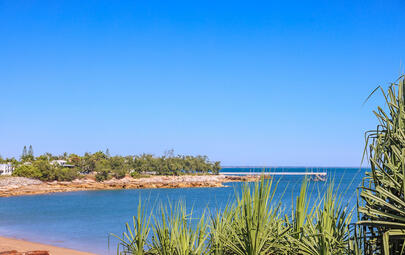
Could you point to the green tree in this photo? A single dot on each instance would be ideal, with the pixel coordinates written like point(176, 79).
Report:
point(74, 159)
point(49, 156)
point(28, 171)
point(24, 153)
point(102, 175)
point(42, 157)
point(216, 167)
point(31, 152)
point(48, 171)
point(66, 174)
point(106, 166)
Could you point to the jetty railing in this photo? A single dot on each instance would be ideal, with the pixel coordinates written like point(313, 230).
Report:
point(275, 173)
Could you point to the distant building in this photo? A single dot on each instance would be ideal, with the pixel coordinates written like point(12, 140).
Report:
point(61, 162)
point(146, 172)
point(6, 169)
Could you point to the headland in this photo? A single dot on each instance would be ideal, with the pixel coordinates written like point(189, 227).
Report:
point(18, 186)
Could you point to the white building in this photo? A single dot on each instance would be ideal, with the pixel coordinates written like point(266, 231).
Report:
point(6, 169)
point(60, 162)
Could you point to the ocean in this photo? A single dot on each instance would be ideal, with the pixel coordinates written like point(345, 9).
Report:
point(83, 220)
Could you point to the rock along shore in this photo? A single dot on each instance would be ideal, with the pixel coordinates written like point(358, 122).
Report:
point(18, 186)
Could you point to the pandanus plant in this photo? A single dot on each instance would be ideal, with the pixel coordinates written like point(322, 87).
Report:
point(134, 240)
point(253, 225)
point(175, 233)
point(382, 207)
point(320, 225)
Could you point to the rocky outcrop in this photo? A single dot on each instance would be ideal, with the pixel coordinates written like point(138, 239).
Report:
point(18, 181)
point(32, 187)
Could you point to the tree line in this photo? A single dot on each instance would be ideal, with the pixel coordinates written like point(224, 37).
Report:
point(67, 167)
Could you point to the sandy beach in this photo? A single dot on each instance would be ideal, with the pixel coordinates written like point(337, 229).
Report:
point(10, 244)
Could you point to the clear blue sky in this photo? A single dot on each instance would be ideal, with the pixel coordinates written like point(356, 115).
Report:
point(278, 83)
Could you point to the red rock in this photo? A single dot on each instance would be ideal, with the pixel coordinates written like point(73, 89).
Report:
point(36, 253)
point(125, 183)
point(13, 252)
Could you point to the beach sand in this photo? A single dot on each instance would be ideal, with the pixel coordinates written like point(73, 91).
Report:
point(9, 244)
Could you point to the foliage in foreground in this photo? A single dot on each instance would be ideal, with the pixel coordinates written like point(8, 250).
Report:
point(382, 211)
point(253, 224)
point(324, 228)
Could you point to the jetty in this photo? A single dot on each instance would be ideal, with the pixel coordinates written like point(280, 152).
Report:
point(275, 173)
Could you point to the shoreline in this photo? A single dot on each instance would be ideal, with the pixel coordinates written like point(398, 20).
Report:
point(18, 186)
point(20, 245)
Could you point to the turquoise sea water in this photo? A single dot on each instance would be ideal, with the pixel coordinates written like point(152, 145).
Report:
point(83, 220)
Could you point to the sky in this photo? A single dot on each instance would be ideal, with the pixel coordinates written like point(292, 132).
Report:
point(252, 83)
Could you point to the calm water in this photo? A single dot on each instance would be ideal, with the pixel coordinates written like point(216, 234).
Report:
point(83, 220)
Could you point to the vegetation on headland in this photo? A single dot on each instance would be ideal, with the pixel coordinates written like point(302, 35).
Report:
point(256, 225)
point(67, 167)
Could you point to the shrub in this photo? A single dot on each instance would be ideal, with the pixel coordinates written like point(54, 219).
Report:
point(137, 175)
point(119, 173)
point(28, 171)
point(48, 171)
point(43, 170)
point(66, 174)
point(102, 175)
